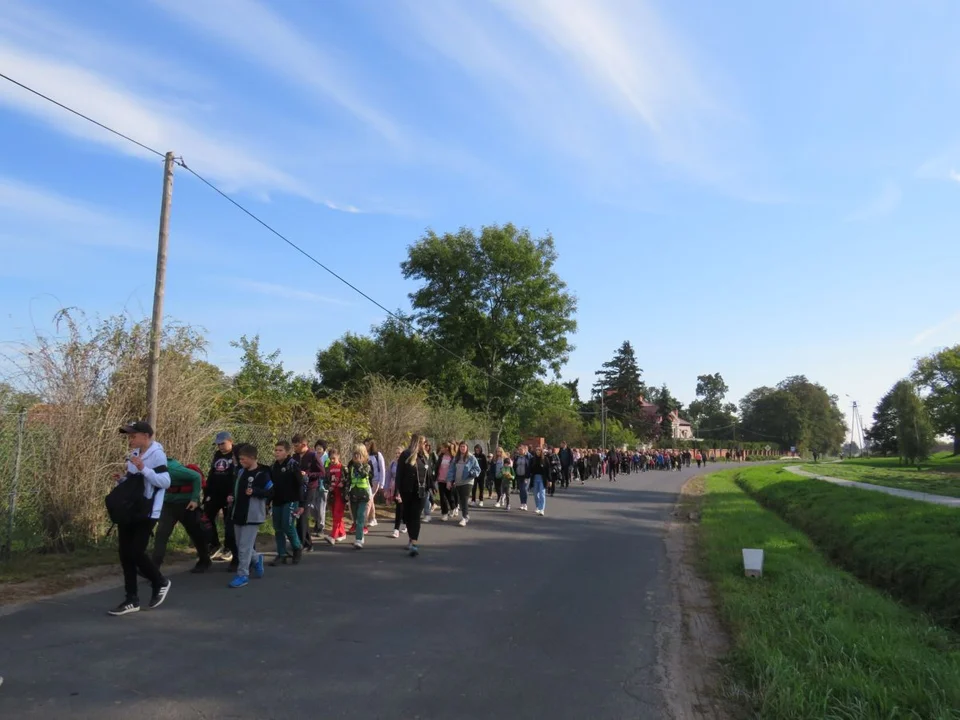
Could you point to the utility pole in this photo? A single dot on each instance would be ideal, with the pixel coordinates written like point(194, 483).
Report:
point(603, 418)
point(156, 322)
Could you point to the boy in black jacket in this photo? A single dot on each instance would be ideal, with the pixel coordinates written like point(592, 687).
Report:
point(288, 498)
point(223, 471)
point(251, 491)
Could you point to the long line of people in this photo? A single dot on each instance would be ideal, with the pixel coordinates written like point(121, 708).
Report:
point(157, 492)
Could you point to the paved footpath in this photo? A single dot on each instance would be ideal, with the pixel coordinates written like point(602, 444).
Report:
point(515, 616)
point(899, 492)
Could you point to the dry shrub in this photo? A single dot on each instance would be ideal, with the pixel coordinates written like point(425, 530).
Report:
point(447, 422)
point(393, 409)
point(91, 380)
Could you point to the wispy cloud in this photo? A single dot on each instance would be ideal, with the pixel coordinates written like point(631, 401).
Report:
point(606, 81)
point(42, 215)
point(883, 203)
point(92, 75)
point(954, 175)
point(257, 33)
point(935, 330)
point(287, 293)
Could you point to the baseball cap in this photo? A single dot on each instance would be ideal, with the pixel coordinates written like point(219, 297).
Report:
point(223, 437)
point(139, 426)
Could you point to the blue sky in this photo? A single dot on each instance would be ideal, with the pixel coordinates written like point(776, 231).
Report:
point(759, 193)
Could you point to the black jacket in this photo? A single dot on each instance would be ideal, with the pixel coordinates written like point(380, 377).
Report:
point(566, 457)
point(251, 509)
point(288, 482)
point(539, 465)
point(556, 467)
point(223, 471)
point(412, 479)
point(482, 459)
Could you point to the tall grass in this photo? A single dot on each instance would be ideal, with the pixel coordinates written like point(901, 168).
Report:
point(809, 640)
point(906, 547)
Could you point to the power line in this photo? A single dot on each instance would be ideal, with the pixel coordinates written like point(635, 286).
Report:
point(406, 321)
point(81, 115)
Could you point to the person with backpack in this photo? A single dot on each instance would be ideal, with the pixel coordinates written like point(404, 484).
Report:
point(181, 504)
point(135, 505)
point(312, 472)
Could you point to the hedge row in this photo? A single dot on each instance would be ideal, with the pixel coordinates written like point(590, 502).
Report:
point(908, 548)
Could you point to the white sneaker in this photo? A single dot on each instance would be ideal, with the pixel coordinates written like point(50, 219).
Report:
point(444, 517)
point(395, 533)
point(541, 512)
point(373, 523)
point(358, 544)
point(481, 503)
point(403, 528)
point(523, 507)
point(427, 519)
point(455, 513)
point(473, 503)
point(330, 540)
point(463, 522)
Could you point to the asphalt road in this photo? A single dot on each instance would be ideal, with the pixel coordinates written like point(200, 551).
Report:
point(515, 616)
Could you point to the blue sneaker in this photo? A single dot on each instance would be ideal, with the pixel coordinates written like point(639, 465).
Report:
point(258, 567)
point(239, 581)
point(414, 551)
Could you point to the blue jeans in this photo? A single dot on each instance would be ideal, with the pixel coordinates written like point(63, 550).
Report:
point(539, 496)
point(522, 488)
point(285, 528)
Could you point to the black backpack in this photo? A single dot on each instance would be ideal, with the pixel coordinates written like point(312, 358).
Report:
point(126, 503)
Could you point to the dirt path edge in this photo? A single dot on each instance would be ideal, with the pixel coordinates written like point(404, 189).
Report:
point(691, 642)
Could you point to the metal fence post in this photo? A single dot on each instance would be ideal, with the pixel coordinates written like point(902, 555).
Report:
point(12, 498)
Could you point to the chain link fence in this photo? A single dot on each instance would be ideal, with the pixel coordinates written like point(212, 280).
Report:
point(53, 478)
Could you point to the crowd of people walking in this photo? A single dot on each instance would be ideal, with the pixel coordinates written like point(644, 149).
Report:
point(239, 494)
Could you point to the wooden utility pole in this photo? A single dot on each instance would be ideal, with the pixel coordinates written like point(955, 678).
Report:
point(156, 323)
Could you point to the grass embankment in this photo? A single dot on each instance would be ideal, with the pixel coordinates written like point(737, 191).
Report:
point(941, 477)
point(809, 640)
point(909, 548)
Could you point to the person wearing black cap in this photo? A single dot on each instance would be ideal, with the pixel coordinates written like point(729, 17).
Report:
point(220, 479)
point(147, 465)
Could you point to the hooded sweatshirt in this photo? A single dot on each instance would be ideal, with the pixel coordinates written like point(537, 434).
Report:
point(251, 509)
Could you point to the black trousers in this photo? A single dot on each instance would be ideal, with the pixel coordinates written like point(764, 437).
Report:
point(397, 516)
point(448, 499)
point(565, 474)
point(478, 487)
point(172, 514)
point(212, 508)
point(133, 539)
point(411, 505)
point(462, 493)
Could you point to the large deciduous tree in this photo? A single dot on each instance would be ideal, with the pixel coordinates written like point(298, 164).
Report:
point(494, 299)
point(796, 413)
point(710, 416)
point(939, 375)
point(915, 435)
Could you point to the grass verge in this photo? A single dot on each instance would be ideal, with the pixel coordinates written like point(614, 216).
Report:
point(936, 482)
point(810, 641)
point(909, 548)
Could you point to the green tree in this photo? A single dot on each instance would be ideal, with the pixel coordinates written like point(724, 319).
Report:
point(616, 434)
point(619, 379)
point(666, 404)
point(495, 299)
point(882, 435)
point(915, 434)
point(549, 410)
point(939, 375)
point(709, 415)
point(796, 413)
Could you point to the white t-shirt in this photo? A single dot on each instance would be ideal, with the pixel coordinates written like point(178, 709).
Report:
point(155, 483)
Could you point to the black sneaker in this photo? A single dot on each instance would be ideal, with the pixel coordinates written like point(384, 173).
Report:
point(202, 567)
point(125, 608)
point(297, 554)
point(279, 560)
point(159, 595)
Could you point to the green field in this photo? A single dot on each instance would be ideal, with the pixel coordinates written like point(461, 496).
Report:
point(809, 640)
point(940, 475)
